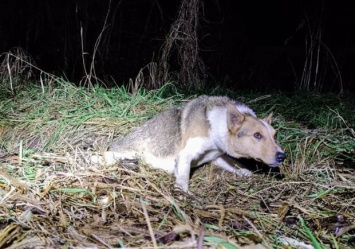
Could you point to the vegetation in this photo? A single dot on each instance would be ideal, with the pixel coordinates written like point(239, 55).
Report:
point(51, 195)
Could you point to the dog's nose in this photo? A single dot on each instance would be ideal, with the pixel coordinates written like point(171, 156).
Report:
point(280, 157)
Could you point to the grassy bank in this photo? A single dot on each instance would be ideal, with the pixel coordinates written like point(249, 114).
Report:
point(51, 195)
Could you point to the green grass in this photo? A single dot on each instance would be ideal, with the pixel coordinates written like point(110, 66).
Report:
point(48, 133)
point(63, 109)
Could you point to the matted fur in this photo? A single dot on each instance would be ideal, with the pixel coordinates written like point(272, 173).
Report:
point(206, 129)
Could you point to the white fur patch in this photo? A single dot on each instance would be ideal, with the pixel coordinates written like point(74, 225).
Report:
point(217, 118)
point(111, 157)
point(246, 110)
point(195, 149)
point(167, 163)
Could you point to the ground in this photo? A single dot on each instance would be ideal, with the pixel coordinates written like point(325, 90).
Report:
point(52, 196)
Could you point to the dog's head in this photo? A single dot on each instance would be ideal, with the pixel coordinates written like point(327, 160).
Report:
point(251, 137)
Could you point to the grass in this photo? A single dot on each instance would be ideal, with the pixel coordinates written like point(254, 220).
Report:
point(52, 196)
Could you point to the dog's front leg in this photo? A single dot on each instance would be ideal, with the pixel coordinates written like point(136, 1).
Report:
point(229, 164)
point(182, 172)
point(192, 150)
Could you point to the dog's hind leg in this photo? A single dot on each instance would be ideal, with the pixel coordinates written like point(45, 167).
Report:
point(230, 164)
point(112, 157)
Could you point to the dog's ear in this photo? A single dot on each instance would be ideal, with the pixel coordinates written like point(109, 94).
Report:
point(268, 118)
point(234, 118)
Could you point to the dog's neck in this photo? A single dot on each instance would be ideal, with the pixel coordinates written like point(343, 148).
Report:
point(217, 118)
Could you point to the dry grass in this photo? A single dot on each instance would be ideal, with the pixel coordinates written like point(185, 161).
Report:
point(16, 68)
point(180, 50)
point(51, 196)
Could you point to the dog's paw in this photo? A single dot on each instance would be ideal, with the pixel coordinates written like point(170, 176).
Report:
point(180, 194)
point(107, 159)
point(243, 172)
point(95, 159)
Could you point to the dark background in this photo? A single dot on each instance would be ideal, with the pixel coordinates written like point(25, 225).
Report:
point(244, 44)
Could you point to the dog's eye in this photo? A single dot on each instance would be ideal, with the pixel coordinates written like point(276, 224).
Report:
point(257, 135)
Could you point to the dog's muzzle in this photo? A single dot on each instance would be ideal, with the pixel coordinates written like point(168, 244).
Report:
point(280, 157)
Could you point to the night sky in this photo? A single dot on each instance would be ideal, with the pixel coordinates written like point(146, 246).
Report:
point(244, 44)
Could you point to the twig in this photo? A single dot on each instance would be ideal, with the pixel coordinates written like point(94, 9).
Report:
point(151, 232)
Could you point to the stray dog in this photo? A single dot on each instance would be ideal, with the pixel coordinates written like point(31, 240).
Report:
point(206, 129)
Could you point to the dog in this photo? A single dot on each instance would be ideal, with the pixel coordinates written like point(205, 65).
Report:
point(213, 129)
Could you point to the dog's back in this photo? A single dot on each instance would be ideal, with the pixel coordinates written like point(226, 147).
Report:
point(160, 135)
point(165, 134)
